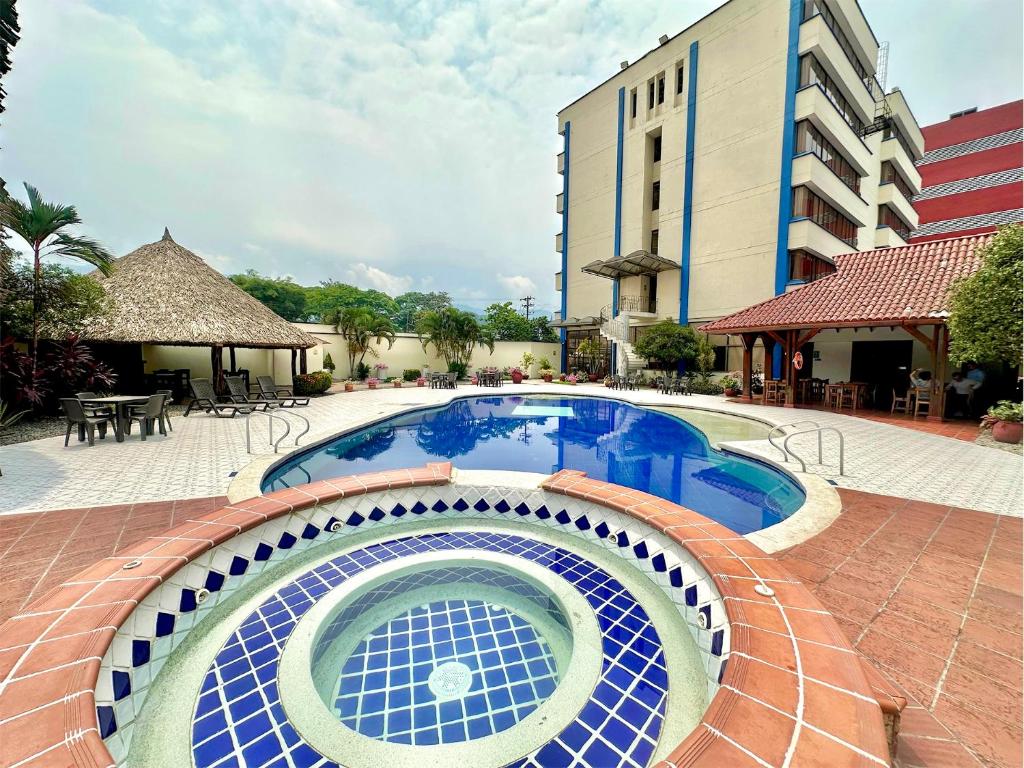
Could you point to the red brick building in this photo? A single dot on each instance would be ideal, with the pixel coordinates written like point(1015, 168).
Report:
point(971, 173)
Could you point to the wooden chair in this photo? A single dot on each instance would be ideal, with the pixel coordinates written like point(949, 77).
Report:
point(901, 404)
point(922, 400)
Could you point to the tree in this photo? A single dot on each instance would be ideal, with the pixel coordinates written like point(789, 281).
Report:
point(667, 344)
point(361, 329)
point(506, 324)
point(68, 299)
point(413, 303)
point(44, 227)
point(280, 295)
point(985, 308)
point(704, 358)
point(543, 331)
point(454, 335)
point(8, 39)
point(330, 297)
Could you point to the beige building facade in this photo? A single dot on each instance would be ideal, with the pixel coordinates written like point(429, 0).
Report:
point(733, 161)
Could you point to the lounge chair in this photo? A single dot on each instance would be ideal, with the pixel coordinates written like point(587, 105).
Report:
point(87, 423)
point(283, 396)
point(238, 393)
point(205, 399)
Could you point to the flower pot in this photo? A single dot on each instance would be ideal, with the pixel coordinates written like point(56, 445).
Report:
point(421, 382)
point(397, 384)
point(474, 381)
point(1008, 431)
point(350, 387)
point(372, 386)
point(517, 378)
point(731, 392)
point(608, 384)
point(547, 377)
point(561, 377)
point(592, 377)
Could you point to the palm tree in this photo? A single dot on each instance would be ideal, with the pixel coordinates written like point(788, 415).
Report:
point(43, 226)
point(361, 328)
point(454, 335)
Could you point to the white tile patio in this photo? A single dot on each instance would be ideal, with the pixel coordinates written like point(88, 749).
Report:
point(201, 456)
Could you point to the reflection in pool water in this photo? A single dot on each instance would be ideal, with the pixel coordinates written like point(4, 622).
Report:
point(607, 439)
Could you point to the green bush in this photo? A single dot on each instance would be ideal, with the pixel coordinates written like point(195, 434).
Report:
point(703, 386)
point(411, 374)
point(1007, 410)
point(459, 368)
point(315, 383)
point(362, 371)
point(329, 363)
point(728, 382)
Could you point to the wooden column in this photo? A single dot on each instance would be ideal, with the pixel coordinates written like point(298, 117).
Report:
point(302, 360)
point(748, 340)
point(769, 352)
point(940, 356)
point(231, 357)
point(217, 368)
point(790, 372)
point(294, 372)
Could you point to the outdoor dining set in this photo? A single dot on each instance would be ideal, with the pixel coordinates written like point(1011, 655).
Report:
point(92, 414)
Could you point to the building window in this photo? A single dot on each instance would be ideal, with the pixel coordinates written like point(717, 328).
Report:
point(806, 267)
point(654, 241)
point(809, 139)
point(632, 103)
point(887, 217)
point(661, 89)
point(814, 8)
point(657, 149)
point(650, 95)
point(656, 196)
point(807, 205)
point(572, 343)
point(812, 73)
point(679, 79)
point(891, 176)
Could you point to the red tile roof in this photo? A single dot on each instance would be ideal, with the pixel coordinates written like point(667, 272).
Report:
point(887, 286)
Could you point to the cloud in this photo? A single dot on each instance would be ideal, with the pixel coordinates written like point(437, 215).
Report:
point(365, 276)
point(518, 284)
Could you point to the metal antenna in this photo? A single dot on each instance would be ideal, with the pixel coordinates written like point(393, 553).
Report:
point(882, 69)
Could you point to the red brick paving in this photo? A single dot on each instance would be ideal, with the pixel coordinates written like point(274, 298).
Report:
point(932, 596)
point(43, 549)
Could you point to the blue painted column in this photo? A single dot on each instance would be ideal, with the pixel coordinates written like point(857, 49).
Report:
point(565, 241)
point(691, 137)
point(786, 169)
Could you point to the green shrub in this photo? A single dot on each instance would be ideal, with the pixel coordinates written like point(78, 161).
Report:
point(700, 385)
point(459, 368)
point(728, 382)
point(1007, 410)
point(362, 371)
point(315, 383)
point(411, 374)
point(329, 363)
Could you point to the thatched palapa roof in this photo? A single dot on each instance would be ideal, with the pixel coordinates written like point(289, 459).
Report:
point(163, 293)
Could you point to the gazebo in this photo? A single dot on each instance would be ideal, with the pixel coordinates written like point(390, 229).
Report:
point(905, 288)
point(163, 294)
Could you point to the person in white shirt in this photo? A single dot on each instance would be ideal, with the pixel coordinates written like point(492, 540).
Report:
point(960, 390)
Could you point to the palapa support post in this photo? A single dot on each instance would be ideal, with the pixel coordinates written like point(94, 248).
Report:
point(790, 377)
point(748, 340)
point(231, 357)
point(217, 368)
point(302, 360)
point(294, 372)
point(940, 367)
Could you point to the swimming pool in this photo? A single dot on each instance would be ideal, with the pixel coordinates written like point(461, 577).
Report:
point(608, 439)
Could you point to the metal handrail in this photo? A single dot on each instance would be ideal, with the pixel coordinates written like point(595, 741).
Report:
point(271, 415)
point(298, 416)
point(782, 428)
point(819, 430)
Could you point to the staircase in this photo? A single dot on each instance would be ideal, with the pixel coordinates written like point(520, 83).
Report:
point(616, 330)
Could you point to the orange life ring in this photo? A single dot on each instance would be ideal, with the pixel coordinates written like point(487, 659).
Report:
point(798, 361)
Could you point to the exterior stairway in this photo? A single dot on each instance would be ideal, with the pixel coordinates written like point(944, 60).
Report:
point(616, 330)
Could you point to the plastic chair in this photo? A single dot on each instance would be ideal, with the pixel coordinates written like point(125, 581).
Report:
point(147, 415)
point(87, 424)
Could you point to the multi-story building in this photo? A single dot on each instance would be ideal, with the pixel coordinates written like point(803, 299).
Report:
point(971, 173)
point(735, 159)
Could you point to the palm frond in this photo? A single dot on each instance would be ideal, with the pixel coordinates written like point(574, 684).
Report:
point(84, 248)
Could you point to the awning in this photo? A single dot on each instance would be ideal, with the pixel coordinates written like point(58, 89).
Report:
point(577, 322)
point(636, 263)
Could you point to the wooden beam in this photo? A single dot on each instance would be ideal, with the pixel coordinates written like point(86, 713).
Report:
point(302, 360)
point(928, 344)
point(231, 357)
point(807, 337)
point(775, 337)
point(217, 368)
point(294, 354)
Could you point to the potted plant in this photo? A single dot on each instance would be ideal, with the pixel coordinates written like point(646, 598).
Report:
point(372, 382)
point(561, 377)
point(570, 379)
point(730, 385)
point(546, 371)
point(474, 380)
point(396, 383)
point(517, 376)
point(527, 363)
point(350, 385)
point(608, 381)
point(421, 382)
point(379, 369)
point(1005, 420)
point(757, 381)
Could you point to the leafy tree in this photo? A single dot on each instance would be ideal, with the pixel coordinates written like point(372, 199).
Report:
point(68, 299)
point(8, 39)
point(667, 344)
point(454, 335)
point(704, 358)
point(413, 303)
point(280, 295)
point(361, 329)
point(506, 324)
point(331, 297)
point(543, 331)
point(44, 226)
point(986, 307)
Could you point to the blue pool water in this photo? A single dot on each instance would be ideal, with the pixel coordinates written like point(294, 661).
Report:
point(608, 439)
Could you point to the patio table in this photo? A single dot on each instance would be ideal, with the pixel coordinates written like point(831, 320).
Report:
point(120, 403)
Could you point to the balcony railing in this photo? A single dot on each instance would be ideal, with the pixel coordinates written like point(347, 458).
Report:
point(638, 304)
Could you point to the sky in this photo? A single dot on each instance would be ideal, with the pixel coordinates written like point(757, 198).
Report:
point(392, 144)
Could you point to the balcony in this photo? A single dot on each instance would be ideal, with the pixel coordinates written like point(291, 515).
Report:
point(887, 237)
point(808, 236)
point(810, 171)
point(889, 194)
point(812, 104)
point(558, 243)
point(560, 162)
point(560, 202)
point(817, 38)
point(894, 152)
point(558, 281)
point(638, 305)
point(856, 27)
point(906, 121)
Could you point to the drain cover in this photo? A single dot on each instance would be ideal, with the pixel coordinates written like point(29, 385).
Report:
point(451, 680)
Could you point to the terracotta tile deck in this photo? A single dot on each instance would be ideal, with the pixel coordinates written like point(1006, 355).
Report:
point(932, 596)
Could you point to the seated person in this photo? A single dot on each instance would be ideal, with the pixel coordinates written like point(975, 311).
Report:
point(921, 381)
point(960, 390)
